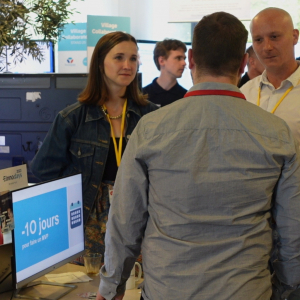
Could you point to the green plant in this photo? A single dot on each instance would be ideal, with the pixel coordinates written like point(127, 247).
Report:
point(19, 19)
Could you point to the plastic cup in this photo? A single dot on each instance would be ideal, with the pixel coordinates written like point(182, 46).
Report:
point(92, 263)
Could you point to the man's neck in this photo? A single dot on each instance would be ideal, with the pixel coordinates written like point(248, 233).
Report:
point(277, 76)
point(166, 82)
point(115, 98)
point(220, 79)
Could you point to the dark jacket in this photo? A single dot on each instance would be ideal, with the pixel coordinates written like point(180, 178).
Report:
point(78, 141)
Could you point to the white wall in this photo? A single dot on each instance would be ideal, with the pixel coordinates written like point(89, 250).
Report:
point(94, 7)
point(148, 17)
point(141, 17)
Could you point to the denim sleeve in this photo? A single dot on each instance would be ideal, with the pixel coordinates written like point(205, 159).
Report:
point(53, 158)
point(286, 212)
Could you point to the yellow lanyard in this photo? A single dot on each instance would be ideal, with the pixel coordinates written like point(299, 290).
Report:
point(118, 152)
point(279, 101)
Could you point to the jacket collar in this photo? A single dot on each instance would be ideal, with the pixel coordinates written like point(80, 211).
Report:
point(293, 78)
point(94, 112)
point(133, 107)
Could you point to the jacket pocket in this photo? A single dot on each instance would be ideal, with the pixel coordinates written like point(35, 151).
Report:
point(82, 158)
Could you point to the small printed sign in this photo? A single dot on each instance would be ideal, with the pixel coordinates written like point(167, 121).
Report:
point(4, 149)
point(13, 178)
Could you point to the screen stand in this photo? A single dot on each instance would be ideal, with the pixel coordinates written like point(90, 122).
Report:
point(66, 288)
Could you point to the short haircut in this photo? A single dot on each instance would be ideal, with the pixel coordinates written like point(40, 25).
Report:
point(250, 51)
point(252, 54)
point(219, 43)
point(96, 90)
point(164, 47)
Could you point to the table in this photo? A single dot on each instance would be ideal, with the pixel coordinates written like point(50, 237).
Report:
point(53, 291)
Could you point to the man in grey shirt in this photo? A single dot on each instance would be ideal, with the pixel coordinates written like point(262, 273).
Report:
point(198, 186)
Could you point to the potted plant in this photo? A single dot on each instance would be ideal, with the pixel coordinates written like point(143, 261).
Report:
point(20, 19)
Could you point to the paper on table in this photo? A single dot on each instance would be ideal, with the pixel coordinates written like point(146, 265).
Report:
point(88, 295)
point(70, 277)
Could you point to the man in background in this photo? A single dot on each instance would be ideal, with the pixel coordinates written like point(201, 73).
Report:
point(169, 58)
point(254, 66)
point(198, 184)
point(277, 90)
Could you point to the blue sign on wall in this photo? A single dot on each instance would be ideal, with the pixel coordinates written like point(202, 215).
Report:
point(97, 26)
point(74, 38)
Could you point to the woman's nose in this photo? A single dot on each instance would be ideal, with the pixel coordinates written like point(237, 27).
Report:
point(126, 64)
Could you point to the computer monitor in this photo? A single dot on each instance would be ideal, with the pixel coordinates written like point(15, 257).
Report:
point(148, 67)
point(48, 229)
point(29, 64)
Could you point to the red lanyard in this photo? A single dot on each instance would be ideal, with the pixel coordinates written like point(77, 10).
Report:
point(215, 92)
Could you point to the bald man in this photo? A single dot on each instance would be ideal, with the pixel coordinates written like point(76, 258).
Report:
point(254, 66)
point(277, 90)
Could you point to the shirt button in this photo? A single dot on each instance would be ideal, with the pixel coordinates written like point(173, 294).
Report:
point(127, 115)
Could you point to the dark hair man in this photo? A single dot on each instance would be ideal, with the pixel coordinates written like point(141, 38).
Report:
point(169, 58)
point(198, 184)
point(254, 66)
point(277, 89)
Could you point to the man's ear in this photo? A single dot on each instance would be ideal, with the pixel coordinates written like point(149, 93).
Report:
point(191, 59)
point(295, 36)
point(251, 61)
point(243, 63)
point(161, 61)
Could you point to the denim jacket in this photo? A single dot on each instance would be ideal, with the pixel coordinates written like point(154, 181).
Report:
point(78, 141)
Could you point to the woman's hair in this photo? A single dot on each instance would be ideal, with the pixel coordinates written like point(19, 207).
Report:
point(96, 90)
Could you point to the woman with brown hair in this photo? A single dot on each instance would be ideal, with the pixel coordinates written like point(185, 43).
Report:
point(90, 135)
